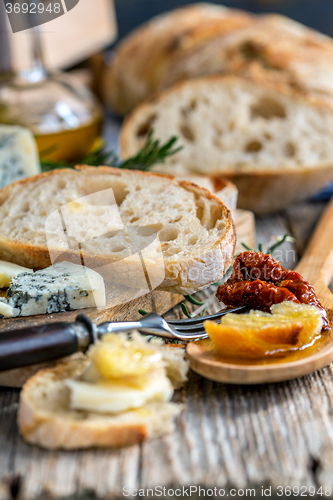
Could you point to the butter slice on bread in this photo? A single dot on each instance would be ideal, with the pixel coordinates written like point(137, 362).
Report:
point(47, 418)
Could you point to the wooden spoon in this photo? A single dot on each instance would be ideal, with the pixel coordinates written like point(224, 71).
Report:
point(316, 267)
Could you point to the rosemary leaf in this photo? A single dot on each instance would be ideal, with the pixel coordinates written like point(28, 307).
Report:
point(247, 247)
point(142, 312)
point(194, 301)
point(273, 247)
point(185, 310)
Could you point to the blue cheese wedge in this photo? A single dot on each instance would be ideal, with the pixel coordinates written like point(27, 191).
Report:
point(18, 154)
point(62, 287)
point(8, 271)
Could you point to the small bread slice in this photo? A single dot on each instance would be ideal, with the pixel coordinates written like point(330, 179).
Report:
point(44, 417)
point(194, 228)
point(274, 144)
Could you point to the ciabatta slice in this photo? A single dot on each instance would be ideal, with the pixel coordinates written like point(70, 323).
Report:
point(275, 144)
point(196, 236)
point(45, 419)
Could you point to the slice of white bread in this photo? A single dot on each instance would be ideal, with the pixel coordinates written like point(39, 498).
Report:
point(45, 419)
point(195, 230)
point(275, 144)
point(170, 47)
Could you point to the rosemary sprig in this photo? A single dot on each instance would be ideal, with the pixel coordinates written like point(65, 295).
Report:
point(271, 248)
point(152, 152)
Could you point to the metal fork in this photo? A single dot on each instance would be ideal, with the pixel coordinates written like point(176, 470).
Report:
point(181, 329)
point(43, 343)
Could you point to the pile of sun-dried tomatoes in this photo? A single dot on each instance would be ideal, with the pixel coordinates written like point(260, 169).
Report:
point(259, 281)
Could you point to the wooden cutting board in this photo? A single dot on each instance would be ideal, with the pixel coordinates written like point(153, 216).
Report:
point(156, 301)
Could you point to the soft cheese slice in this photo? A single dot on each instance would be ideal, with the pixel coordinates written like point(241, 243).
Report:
point(8, 270)
point(18, 154)
point(116, 397)
point(62, 287)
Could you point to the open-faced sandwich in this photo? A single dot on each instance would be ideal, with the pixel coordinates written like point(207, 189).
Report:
point(117, 395)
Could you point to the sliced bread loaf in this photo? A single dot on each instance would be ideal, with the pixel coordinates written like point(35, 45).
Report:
point(155, 55)
point(275, 144)
point(206, 39)
point(107, 215)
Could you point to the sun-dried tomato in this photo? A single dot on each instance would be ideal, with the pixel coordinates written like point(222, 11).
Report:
point(260, 281)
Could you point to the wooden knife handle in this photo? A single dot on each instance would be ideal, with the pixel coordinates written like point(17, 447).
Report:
point(39, 344)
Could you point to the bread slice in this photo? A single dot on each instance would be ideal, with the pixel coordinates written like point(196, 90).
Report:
point(196, 236)
point(274, 144)
point(169, 48)
point(221, 187)
point(44, 417)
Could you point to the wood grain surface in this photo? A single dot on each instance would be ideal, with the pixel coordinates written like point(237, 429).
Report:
point(228, 436)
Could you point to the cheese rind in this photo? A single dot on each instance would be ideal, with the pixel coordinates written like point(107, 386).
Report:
point(18, 154)
point(8, 270)
point(62, 287)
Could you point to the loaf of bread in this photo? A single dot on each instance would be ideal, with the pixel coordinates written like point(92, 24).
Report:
point(204, 39)
point(83, 212)
point(272, 142)
point(179, 44)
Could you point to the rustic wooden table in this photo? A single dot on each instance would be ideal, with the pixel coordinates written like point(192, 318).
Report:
point(238, 437)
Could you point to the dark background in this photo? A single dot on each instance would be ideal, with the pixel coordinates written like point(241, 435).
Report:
point(315, 13)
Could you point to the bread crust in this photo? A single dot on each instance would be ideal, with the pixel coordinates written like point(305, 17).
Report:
point(181, 275)
point(270, 192)
point(260, 190)
point(46, 421)
point(152, 57)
